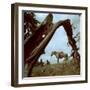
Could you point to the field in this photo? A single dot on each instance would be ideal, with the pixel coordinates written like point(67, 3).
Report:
point(66, 68)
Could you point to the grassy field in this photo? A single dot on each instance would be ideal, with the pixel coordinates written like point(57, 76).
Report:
point(66, 68)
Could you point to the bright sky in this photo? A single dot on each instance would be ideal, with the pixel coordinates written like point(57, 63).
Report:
point(59, 40)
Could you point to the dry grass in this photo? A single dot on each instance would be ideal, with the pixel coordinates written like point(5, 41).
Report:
point(66, 68)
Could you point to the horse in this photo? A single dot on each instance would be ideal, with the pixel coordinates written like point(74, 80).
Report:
point(59, 55)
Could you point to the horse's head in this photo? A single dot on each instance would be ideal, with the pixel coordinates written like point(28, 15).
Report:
point(53, 53)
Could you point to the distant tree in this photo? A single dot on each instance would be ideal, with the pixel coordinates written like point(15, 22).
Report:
point(48, 62)
point(41, 62)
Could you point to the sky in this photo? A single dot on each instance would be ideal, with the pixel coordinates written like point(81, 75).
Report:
point(59, 40)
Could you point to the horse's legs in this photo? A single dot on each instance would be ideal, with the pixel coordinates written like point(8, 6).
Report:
point(57, 60)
